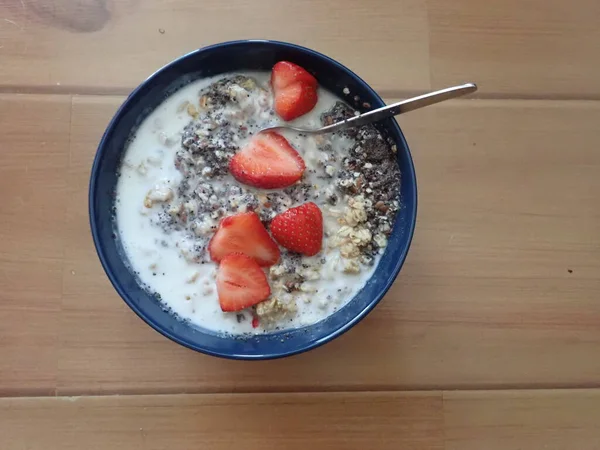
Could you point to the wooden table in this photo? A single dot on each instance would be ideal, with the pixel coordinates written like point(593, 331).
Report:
point(490, 337)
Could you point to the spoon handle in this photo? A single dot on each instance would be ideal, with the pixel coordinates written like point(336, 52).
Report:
point(401, 107)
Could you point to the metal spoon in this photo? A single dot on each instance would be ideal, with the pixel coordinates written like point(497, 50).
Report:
point(386, 111)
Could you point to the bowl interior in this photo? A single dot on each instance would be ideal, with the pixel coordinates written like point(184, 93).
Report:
point(230, 57)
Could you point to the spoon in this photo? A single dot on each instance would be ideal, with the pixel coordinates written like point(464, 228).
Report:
point(385, 111)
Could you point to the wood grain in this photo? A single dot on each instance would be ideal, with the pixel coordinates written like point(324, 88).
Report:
point(532, 420)
point(111, 46)
point(332, 421)
point(500, 289)
point(486, 298)
point(539, 48)
point(34, 155)
point(510, 49)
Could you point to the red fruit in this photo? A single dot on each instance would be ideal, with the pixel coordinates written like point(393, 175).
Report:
point(286, 73)
point(299, 229)
point(295, 100)
point(295, 90)
point(268, 161)
point(241, 283)
point(243, 233)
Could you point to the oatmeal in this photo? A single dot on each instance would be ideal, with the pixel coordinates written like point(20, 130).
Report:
point(193, 191)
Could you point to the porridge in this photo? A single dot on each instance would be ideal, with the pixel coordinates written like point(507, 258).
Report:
point(246, 232)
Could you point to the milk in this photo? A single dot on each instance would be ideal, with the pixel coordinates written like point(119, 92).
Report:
point(188, 288)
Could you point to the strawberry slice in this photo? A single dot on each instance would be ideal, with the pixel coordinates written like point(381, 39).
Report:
point(241, 283)
point(295, 100)
point(299, 229)
point(244, 233)
point(268, 161)
point(286, 73)
point(295, 90)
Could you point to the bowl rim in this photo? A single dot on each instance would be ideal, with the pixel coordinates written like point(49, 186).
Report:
point(139, 311)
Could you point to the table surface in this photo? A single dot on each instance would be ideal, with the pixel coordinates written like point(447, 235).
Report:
point(490, 337)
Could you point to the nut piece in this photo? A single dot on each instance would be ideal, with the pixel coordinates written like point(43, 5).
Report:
point(380, 206)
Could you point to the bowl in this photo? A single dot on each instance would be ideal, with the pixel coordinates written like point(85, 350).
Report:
point(206, 62)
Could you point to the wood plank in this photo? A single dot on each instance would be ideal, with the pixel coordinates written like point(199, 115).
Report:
point(508, 205)
point(507, 420)
point(319, 421)
point(34, 154)
point(90, 46)
point(509, 48)
point(543, 48)
point(532, 420)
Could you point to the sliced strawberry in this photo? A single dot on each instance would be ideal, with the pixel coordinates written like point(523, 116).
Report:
point(295, 90)
point(241, 283)
point(286, 73)
point(268, 161)
point(243, 233)
point(299, 229)
point(295, 100)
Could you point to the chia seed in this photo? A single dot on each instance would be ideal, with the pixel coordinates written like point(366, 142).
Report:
point(370, 170)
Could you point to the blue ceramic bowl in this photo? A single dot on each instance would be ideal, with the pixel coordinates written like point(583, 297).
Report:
point(206, 62)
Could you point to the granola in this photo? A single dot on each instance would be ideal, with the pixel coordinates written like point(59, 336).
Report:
point(352, 176)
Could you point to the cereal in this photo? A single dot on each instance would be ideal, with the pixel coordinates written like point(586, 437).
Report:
point(274, 310)
point(158, 194)
point(380, 240)
point(351, 266)
point(141, 169)
point(191, 110)
point(186, 190)
point(193, 278)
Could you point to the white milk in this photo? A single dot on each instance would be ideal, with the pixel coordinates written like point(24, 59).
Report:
point(188, 288)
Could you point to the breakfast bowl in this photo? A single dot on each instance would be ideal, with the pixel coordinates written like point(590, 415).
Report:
point(232, 57)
